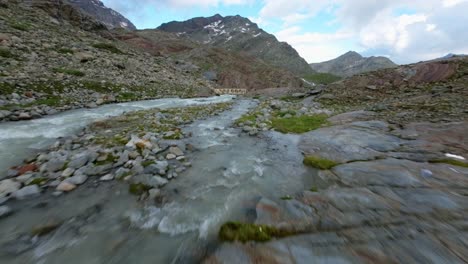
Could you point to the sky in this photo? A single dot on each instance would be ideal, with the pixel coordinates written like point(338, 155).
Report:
point(320, 30)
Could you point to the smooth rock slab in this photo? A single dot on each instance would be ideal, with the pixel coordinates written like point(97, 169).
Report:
point(388, 172)
point(348, 143)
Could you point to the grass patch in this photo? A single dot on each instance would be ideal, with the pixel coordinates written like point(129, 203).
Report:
point(128, 96)
point(69, 72)
point(458, 163)
point(38, 181)
point(299, 124)
point(20, 26)
point(246, 118)
point(235, 231)
point(322, 78)
point(50, 101)
point(319, 163)
point(286, 198)
point(313, 189)
point(65, 51)
point(109, 47)
point(5, 53)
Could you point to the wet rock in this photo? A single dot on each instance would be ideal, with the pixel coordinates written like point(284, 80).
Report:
point(27, 168)
point(68, 172)
point(176, 151)
point(8, 186)
point(24, 116)
point(150, 180)
point(107, 177)
point(66, 187)
point(54, 165)
point(26, 192)
point(77, 179)
point(5, 211)
point(170, 156)
point(80, 160)
point(154, 193)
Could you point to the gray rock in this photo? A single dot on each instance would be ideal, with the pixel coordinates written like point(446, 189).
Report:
point(68, 172)
point(170, 156)
point(176, 151)
point(154, 193)
point(54, 165)
point(79, 160)
point(120, 172)
point(26, 192)
point(77, 179)
point(150, 180)
point(107, 177)
point(8, 186)
point(98, 170)
point(5, 211)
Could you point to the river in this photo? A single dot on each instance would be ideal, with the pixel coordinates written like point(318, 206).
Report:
point(104, 224)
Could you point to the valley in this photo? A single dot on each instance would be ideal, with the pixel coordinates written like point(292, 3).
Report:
point(210, 141)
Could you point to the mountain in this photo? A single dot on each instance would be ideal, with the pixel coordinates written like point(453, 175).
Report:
point(223, 68)
point(103, 14)
point(352, 63)
point(239, 34)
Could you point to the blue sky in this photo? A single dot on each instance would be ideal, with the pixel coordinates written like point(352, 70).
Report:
point(324, 29)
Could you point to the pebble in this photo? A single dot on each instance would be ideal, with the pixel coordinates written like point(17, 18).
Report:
point(8, 186)
point(107, 177)
point(65, 187)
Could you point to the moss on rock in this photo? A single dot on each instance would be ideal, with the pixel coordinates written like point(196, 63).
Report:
point(319, 163)
point(243, 232)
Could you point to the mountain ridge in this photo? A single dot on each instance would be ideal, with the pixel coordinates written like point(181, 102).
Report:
point(352, 63)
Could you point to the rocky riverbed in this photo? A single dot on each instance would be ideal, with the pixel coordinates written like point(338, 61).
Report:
point(176, 179)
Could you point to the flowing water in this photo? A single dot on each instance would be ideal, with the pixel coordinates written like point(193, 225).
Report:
point(19, 139)
point(105, 224)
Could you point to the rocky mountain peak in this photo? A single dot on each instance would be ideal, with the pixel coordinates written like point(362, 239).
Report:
point(107, 16)
point(239, 34)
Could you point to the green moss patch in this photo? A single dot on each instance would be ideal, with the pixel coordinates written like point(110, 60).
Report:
point(69, 72)
point(246, 118)
point(38, 181)
point(138, 188)
point(319, 163)
point(299, 124)
point(5, 53)
point(65, 51)
point(109, 159)
point(109, 47)
point(458, 163)
point(243, 232)
point(20, 26)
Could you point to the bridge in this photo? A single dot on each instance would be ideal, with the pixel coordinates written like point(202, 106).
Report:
point(234, 91)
